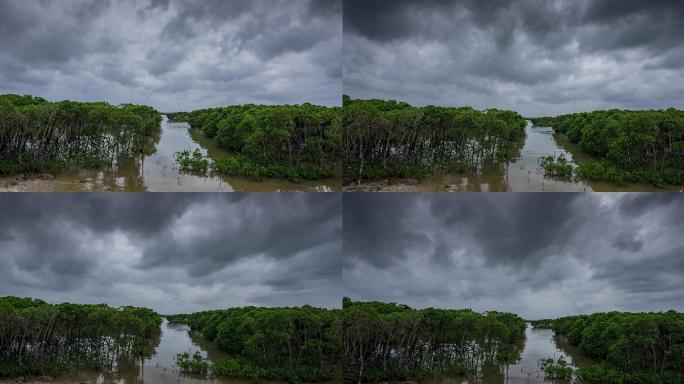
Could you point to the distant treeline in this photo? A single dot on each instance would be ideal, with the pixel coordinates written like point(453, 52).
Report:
point(635, 348)
point(290, 344)
point(391, 342)
point(290, 141)
point(39, 136)
point(632, 146)
point(543, 323)
point(385, 139)
point(37, 338)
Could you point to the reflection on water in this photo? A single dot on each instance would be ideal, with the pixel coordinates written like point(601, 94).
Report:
point(159, 172)
point(523, 173)
point(159, 367)
point(538, 344)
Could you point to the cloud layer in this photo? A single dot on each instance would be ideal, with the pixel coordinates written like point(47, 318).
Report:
point(173, 54)
point(535, 56)
point(173, 252)
point(539, 255)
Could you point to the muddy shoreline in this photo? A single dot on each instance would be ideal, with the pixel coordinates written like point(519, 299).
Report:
point(25, 183)
point(400, 185)
point(49, 379)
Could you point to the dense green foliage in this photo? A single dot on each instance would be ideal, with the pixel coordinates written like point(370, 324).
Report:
point(194, 162)
point(41, 338)
point(291, 141)
point(39, 136)
point(632, 146)
point(243, 368)
point(631, 347)
point(393, 342)
point(178, 117)
point(292, 344)
point(559, 166)
point(394, 139)
point(240, 165)
point(194, 364)
point(556, 369)
point(606, 374)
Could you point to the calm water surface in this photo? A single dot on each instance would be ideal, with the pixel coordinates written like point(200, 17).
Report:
point(159, 172)
point(160, 368)
point(523, 173)
point(538, 344)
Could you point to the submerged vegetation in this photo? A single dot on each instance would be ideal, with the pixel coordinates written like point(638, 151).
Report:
point(559, 166)
point(630, 348)
point(386, 139)
point(41, 136)
point(286, 141)
point(290, 344)
point(194, 364)
point(390, 342)
point(558, 369)
point(194, 162)
point(374, 341)
point(37, 338)
point(630, 146)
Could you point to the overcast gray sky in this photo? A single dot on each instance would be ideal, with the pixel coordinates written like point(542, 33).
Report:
point(535, 56)
point(173, 252)
point(538, 255)
point(173, 54)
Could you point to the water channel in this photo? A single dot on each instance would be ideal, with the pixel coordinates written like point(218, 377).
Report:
point(522, 174)
point(159, 172)
point(538, 344)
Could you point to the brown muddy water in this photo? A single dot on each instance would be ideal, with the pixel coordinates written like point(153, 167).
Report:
point(538, 344)
point(523, 174)
point(160, 173)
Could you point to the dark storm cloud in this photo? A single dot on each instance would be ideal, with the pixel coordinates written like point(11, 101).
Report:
point(173, 54)
point(280, 227)
point(381, 231)
point(536, 254)
point(38, 33)
point(174, 252)
point(535, 56)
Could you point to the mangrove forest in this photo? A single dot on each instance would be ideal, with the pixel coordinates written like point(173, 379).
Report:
point(628, 146)
point(37, 338)
point(41, 136)
point(392, 342)
point(288, 344)
point(390, 139)
point(283, 141)
point(629, 348)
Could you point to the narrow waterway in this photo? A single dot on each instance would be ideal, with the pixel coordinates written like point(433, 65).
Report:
point(525, 173)
point(538, 344)
point(160, 367)
point(522, 174)
point(159, 172)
